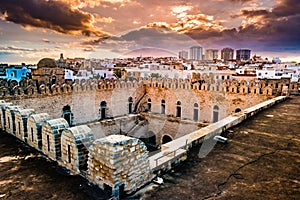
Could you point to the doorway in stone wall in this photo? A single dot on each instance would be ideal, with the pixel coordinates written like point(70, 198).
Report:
point(121, 191)
point(163, 106)
point(178, 109)
point(130, 102)
point(53, 80)
point(102, 109)
point(215, 113)
point(67, 114)
point(166, 139)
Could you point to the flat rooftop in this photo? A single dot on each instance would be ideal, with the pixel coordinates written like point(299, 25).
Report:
point(261, 161)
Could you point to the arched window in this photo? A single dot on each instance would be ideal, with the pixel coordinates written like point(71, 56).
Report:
point(130, 102)
point(67, 114)
point(178, 109)
point(103, 110)
point(149, 105)
point(215, 113)
point(163, 107)
point(196, 112)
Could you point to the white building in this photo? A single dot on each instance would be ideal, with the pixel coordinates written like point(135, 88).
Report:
point(69, 74)
point(183, 55)
point(276, 60)
point(196, 53)
point(211, 54)
point(103, 72)
point(292, 74)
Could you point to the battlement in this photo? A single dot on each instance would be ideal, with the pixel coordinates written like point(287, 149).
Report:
point(206, 83)
point(28, 89)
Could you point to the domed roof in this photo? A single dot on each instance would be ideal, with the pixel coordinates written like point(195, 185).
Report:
point(47, 62)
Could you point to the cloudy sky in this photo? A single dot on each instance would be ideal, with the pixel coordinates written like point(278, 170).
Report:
point(33, 29)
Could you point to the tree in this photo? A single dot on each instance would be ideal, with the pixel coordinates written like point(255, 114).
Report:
point(119, 72)
point(155, 75)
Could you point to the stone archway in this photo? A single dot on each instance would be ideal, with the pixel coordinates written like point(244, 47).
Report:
point(237, 110)
point(165, 139)
point(149, 138)
point(196, 112)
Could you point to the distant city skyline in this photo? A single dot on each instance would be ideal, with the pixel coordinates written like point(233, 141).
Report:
point(33, 29)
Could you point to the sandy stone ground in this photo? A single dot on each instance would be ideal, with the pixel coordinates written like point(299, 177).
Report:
point(27, 174)
point(260, 161)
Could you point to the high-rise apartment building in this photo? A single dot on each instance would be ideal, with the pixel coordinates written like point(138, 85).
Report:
point(196, 53)
point(183, 54)
point(243, 54)
point(227, 54)
point(211, 54)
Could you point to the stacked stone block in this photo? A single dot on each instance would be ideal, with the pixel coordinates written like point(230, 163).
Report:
point(3, 106)
point(119, 160)
point(21, 123)
point(34, 126)
point(10, 119)
point(51, 137)
point(75, 142)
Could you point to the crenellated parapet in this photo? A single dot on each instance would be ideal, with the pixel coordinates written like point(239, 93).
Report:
point(242, 87)
point(29, 89)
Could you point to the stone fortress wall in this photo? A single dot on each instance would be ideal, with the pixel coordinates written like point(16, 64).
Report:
point(76, 149)
point(123, 97)
point(45, 131)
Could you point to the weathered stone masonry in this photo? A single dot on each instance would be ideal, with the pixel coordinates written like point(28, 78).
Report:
point(35, 122)
point(91, 100)
point(119, 162)
point(75, 142)
point(124, 161)
point(22, 123)
point(51, 137)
